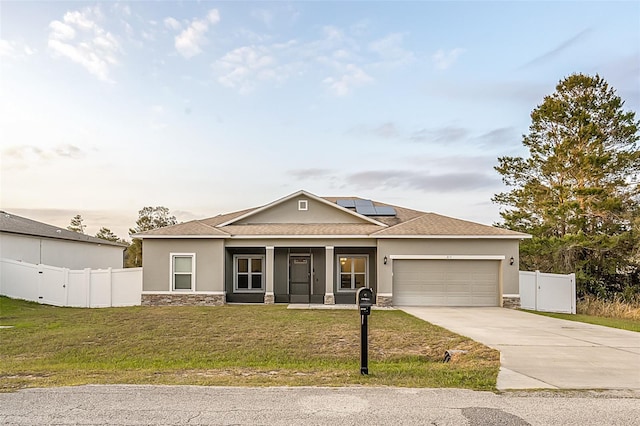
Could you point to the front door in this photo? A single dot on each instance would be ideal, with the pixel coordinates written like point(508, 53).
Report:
point(299, 279)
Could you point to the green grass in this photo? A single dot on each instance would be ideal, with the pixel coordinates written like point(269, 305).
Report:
point(624, 324)
point(231, 345)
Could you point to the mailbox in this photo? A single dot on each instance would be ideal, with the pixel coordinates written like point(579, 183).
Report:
point(364, 297)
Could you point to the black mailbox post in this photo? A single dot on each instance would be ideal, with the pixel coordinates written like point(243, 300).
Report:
point(364, 297)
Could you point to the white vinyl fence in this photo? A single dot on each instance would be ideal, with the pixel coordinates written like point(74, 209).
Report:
point(85, 288)
point(548, 292)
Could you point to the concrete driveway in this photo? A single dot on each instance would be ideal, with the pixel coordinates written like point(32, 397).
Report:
point(543, 352)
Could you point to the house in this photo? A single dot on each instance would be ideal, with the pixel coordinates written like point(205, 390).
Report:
point(29, 241)
point(309, 249)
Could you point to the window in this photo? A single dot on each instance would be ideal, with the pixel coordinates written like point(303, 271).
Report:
point(353, 272)
point(248, 273)
point(303, 205)
point(183, 271)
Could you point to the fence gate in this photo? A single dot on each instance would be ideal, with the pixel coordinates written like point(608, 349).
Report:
point(548, 292)
point(52, 285)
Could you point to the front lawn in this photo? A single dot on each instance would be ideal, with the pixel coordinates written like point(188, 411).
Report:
point(233, 345)
point(624, 324)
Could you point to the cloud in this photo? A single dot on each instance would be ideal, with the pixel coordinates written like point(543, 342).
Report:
point(442, 135)
point(241, 67)
point(172, 23)
point(341, 59)
point(422, 181)
point(444, 60)
point(352, 77)
point(342, 63)
point(189, 42)
point(558, 49)
point(499, 137)
point(23, 156)
point(391, 52)
point(311, 173)
point(387, 130)
point(68, 151)
point(454, 163)
point(79, 38)
point(14, 49)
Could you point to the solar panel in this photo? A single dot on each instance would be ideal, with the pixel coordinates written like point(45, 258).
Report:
point(364, 203)
point(385, 211)
point(346, 203)
point(366, 210)
point(366, 207)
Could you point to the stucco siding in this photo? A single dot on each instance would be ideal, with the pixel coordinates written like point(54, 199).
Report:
point(60, 253)
point(20, 248)
point(480, 247)
point(287, 212)
point(156, 262)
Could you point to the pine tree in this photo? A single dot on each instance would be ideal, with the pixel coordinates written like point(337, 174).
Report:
point(577, 192)
point(76, 224)
point(148, 218)
point(107, 234)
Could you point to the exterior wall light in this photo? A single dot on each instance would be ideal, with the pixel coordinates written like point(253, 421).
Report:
point(385, 260)
point(511, 260)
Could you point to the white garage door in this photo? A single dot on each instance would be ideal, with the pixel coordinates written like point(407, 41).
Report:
point(445, 282)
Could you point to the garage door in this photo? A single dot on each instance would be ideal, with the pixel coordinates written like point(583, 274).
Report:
point(445, 282)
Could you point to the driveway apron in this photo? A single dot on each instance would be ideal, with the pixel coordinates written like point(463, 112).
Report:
point(542, 352)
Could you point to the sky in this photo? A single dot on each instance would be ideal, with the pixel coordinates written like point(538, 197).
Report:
point(210, 107)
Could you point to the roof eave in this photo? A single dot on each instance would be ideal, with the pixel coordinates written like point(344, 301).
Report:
point(177, 236)
point(299, 236)
point(431, 236)
point(62, 238)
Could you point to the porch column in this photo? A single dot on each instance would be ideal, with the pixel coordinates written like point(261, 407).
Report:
point(329, 299)
point(269, 297)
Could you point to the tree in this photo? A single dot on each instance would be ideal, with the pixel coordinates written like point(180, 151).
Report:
point(107, 234)
point(76, 224)
point(577, 191)
point(148, 218)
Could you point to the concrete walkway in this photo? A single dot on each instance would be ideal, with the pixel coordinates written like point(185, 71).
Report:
point(543, 352)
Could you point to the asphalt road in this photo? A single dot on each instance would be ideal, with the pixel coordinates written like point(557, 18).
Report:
point(193, 405)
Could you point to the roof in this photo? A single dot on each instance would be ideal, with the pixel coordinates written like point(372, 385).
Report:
point(407, 223)
point(14, 224)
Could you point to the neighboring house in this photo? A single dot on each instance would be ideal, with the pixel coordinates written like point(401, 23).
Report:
point(309, 249)
point(34, 242)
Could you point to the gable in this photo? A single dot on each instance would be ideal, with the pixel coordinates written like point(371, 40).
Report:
point(288, 212)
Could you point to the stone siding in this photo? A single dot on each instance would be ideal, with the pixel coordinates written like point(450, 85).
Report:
point(384, 301)
point(269, 299)
point(178, 299)
point(511, 302)
point(329, 299)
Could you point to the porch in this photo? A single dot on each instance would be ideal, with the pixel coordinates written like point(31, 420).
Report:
point(325, 275)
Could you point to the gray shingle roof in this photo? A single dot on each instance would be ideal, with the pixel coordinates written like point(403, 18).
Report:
point(406, 223)
point(14, 224)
